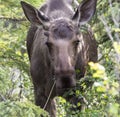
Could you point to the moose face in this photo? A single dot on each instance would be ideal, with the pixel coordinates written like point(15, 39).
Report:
point(63, 43)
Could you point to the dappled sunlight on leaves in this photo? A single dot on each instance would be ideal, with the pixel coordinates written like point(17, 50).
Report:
point(25, 108)
point(117, 47)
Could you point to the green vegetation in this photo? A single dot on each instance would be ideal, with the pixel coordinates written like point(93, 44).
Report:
point(16, 90)
point(20, 109)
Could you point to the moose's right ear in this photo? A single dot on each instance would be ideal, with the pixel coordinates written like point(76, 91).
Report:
point(85, 11)
point(35, 16)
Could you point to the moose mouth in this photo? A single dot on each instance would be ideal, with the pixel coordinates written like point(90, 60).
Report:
point(64, 85)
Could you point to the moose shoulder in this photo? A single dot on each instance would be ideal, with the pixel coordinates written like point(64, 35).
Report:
point(57, 47)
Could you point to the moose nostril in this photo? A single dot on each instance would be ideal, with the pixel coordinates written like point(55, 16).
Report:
point(67, 81)
point(65, 77)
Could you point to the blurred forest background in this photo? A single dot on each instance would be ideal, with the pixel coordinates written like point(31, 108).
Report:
point(16, 90)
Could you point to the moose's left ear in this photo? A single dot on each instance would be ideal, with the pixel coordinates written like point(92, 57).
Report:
point(35, 16)
point(85, 11)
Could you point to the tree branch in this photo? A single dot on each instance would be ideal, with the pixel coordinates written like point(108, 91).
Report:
point(102, 18)
point(12, 19)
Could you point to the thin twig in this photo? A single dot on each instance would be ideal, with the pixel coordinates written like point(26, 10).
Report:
point(3, 98)
point(49, 95)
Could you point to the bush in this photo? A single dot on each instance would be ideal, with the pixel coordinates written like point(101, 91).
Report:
point(20, 109)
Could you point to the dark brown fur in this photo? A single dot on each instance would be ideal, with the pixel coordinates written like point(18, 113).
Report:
point(54, 50)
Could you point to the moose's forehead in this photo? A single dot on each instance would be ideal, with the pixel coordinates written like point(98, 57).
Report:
point(62, 29)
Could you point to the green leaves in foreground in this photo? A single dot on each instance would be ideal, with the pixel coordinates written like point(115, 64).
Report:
point(21, 109)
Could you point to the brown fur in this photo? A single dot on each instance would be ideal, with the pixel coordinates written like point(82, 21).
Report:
point(56, 52)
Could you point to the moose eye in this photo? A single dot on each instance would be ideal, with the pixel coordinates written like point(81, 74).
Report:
point(49, 44)
point(76, 42)
point(46, 33)
point(50, 48)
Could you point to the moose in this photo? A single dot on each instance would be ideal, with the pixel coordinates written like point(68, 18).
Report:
point(57, 47)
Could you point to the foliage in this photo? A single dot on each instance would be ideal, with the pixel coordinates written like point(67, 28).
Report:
point(15, 83)
point(16, 94)
point(20, 109)
point(100, 98)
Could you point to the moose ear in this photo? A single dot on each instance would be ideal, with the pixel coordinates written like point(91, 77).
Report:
point(35, 16)
point(85, 11)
